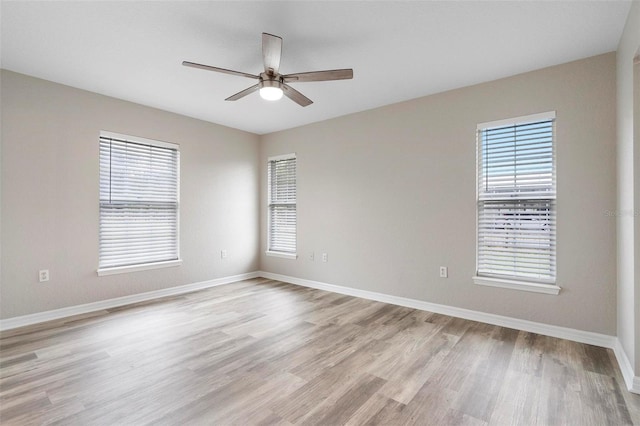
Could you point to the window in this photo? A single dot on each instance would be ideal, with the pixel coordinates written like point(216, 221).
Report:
point(138, 204)
point(517, 204)
point(282, 206)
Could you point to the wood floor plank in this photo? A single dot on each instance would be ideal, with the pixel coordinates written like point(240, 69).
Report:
point(519, 400)
point(263, 352)
point(339, 409)
point(479, 395)
point(410, 376)
point(376, 410)
point(48, 414)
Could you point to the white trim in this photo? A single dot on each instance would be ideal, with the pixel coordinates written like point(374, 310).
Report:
point(633, 382)
point(24, 320)
point(580, 336)
point(543, 116)
point(282, 157)
point(281, 254)
point(136, 139)
point(178, 207)
point(140, 267)
point(503, 321)
point(597, 339)
point(517, 285)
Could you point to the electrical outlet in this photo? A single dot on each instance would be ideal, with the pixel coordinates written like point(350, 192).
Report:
point(43, 275)
point(444, 272)
point(312, 256)
point(325, 257)
point(223, 254)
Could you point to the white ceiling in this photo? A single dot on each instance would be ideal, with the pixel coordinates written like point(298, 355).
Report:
point(399, 50)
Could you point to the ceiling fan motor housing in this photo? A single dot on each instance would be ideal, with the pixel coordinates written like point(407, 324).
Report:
point(270, 83)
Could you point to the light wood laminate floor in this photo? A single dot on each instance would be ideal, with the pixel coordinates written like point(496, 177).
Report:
point(261, 352)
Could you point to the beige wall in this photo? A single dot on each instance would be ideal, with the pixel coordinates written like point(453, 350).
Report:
point(50, 196)
point(389, 194)
point(628, 245)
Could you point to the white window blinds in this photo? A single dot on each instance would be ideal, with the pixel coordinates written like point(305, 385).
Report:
point(138, 202)
point(517, 200)
point(282, 204)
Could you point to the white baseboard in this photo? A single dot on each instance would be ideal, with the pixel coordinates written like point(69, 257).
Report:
point(603, 340)
point(21, 321)
point(596, 339)
point(503, 321)
point(633, 382)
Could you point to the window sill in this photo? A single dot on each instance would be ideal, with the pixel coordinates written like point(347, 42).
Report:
point(518, 285)
point(135, 268)
point(281, 254)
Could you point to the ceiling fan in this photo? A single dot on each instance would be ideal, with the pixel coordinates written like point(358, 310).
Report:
point(271, 83)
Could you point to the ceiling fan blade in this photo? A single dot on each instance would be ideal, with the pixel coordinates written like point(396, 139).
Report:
point(344, 74)
point(243, 93)
point(216, 69)
point(271, 52)
point(296, 96)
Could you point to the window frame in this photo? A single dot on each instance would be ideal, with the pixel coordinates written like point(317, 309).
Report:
point(119, 269)
point(506, 281)
point(270, 251)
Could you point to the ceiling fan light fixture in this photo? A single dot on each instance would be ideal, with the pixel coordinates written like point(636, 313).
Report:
point(270, 90)
point(271, 93)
